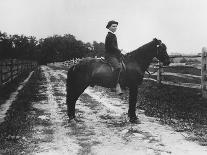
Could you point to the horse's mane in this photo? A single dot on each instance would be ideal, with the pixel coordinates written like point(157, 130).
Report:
point(83, 63)
point(140, 51)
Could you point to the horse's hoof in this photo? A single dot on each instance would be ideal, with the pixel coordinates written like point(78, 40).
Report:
point(135, 121)
point(72, 120)
point(120, 93)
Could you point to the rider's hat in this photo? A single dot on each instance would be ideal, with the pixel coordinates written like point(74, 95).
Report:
point(110, 23)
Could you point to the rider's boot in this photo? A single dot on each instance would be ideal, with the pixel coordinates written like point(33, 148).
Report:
point(118, 89)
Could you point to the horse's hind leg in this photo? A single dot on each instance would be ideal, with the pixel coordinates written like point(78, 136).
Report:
point(73, 92)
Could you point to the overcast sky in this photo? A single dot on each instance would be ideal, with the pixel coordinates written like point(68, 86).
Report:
point(180, 24)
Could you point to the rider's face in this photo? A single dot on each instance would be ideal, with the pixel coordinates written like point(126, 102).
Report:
point(113, 27)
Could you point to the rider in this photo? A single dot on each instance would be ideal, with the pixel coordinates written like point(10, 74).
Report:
point(113, 54)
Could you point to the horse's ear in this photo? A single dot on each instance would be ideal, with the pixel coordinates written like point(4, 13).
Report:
point(155, 39)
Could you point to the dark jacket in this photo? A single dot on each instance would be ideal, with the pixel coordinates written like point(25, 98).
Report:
point(111, 46)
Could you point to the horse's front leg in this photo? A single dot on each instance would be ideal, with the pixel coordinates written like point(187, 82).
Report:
point(133, 90)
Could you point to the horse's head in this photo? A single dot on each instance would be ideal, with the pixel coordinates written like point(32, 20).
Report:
point(161, 52)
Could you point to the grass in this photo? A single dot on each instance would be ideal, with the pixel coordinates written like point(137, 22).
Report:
point(182, 108)
point(12, 86)
point(19, 118)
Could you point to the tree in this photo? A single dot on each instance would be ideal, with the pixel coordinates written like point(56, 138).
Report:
point(99, 49)
point(50, 49)
point(5, 45)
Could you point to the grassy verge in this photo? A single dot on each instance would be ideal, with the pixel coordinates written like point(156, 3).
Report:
point(21, 116)
point(6, 90)
point(182, 108)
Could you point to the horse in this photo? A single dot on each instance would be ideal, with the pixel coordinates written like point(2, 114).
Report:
point(92, 71)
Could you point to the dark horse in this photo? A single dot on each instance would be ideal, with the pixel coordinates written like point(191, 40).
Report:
point(92, 71)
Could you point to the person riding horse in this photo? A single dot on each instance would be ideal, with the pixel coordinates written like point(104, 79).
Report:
point(113, 53)
point(95, 72)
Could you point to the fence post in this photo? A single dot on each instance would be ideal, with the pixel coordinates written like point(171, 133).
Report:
point(159, 73)
point(204, 72)
point(11, 69)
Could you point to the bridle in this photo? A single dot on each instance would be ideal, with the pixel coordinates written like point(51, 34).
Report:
point(157, 54)
point(158, 66)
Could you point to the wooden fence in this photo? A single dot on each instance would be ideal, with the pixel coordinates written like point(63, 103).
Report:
point(12, 68)
point(204, 72)
point(203, 77)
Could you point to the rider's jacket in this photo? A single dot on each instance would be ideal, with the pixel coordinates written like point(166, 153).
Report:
point(111, 46)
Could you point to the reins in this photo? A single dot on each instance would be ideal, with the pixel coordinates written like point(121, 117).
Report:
point(157, 65)
point(150, 74)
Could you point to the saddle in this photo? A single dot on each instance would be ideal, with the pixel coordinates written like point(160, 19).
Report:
point(123, 66)
point(117, 88)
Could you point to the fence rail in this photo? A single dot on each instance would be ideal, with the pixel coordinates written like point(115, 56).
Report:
point(12, 68)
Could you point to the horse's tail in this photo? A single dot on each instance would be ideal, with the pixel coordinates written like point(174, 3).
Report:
point(70, 76)
point(78, 74)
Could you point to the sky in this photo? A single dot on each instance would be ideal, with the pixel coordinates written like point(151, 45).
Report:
point(180, 24)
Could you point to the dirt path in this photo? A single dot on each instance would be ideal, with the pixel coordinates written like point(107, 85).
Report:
point(102, 129)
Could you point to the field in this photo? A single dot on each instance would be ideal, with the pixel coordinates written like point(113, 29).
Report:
point(183, 108)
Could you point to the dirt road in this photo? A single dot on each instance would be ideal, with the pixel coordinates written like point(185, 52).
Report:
point(102, 127)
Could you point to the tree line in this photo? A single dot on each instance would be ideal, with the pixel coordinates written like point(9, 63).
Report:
point(46, 50)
